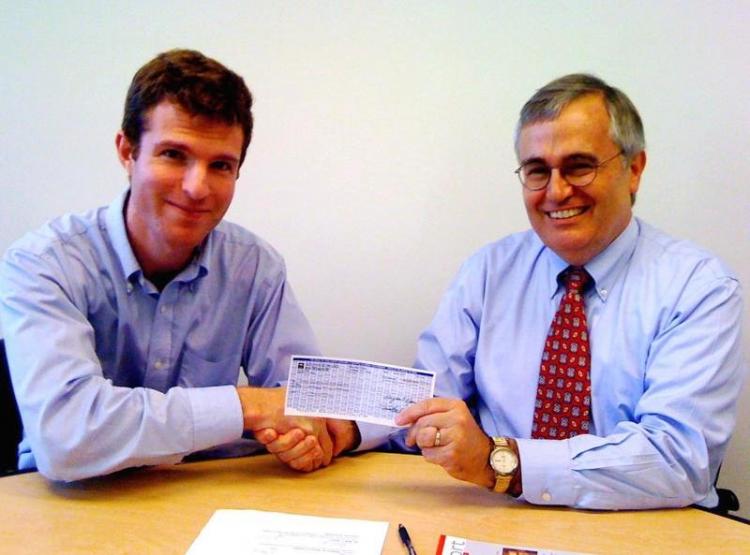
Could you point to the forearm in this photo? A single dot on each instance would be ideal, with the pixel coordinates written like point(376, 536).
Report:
point(98, 429)
point(626, 470)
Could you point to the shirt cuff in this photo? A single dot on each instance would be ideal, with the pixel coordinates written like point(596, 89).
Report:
point(217, 415)
point(372, 435)
point(546, 474)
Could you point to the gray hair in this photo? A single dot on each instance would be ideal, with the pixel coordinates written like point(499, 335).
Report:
point(625, 125)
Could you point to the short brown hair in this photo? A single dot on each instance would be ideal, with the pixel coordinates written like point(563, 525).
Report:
point(198, 84)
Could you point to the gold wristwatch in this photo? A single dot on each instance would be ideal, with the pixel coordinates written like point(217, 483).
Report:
point(504, 462)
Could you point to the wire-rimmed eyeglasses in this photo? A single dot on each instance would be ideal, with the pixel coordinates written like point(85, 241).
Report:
point(578, 172)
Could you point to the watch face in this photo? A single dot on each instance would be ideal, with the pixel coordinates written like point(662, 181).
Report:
point(504, 461)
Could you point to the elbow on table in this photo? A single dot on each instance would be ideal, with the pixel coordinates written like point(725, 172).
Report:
point(68, 458)
point(62, 466)
point(685, 483)
point(671, 487)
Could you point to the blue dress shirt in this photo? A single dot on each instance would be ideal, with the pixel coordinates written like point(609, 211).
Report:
point(111, 373)
point(666, 368)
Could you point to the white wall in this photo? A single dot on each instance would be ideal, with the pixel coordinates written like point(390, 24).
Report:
point(382, 154)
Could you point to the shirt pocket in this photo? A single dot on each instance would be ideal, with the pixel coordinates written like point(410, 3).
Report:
point(197, 371)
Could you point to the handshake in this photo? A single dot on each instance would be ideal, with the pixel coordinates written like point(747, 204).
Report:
point(302, 443)
point(443, 429)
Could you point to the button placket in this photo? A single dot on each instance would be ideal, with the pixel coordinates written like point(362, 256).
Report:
point(161, 341)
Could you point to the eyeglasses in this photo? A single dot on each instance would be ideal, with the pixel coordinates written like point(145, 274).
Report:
point(535, 175)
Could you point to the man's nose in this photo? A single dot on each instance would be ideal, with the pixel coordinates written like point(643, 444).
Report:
point(195, 182)
point(558, 188)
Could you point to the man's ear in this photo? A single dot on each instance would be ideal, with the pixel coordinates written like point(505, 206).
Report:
point(125, 151)
point(636, 167)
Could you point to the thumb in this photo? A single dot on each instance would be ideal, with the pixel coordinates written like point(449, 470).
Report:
point(266, 435)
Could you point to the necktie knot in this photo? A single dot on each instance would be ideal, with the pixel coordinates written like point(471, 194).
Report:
point(576, 279)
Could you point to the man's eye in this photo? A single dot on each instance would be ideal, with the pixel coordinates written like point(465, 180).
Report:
point(173, 154)
point(579, 169)
point(222, 166)
point(536, 171)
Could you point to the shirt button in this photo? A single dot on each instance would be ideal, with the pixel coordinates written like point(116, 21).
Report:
point(163, 309)
point(158, 365)
point(129, 288)
point(546, 496)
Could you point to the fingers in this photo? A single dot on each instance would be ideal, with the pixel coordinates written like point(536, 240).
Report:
point(414, 412)
point(298, 450)
point(423, 432)
point(297, 447)
point(310, 460)
point(427, 437)
point(284, 442)
point(266, 435)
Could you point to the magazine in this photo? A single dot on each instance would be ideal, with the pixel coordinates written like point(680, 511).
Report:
point(452, 545)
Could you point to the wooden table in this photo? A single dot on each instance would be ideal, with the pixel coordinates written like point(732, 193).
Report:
point(162, 509)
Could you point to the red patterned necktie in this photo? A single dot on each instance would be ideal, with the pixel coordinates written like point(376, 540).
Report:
point(563, 396)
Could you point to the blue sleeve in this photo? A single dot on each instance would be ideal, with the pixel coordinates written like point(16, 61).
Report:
point(78, 423)
point(278, 330)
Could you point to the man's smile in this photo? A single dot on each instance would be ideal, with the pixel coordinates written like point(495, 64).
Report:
point(567, 213)
point(193, 211)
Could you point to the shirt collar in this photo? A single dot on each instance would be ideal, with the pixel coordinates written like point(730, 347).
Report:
point(605, 268)
point(199, 264)
point(115, 222)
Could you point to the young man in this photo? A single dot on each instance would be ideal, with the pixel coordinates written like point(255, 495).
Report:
point(600, 356)
point(126, 327)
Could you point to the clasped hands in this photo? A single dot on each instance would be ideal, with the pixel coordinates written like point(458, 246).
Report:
point(306, 444)
point(302, 443)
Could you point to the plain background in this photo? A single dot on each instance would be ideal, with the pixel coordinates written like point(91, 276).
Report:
point(382, 155)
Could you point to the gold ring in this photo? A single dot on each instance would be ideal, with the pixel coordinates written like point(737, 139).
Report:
point(437, 438)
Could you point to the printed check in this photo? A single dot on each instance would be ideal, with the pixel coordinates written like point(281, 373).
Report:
point(354, 389)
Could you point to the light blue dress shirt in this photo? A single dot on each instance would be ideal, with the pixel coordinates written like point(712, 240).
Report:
point(666, 370)
point(111, 373)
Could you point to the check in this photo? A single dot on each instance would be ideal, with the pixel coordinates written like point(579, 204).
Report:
point(354, 389)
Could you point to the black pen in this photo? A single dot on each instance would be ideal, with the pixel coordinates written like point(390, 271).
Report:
point(405, 539)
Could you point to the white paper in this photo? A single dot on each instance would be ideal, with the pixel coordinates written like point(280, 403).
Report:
point(231, 532)
point(354, 389)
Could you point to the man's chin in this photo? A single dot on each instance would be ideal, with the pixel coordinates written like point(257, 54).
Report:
point(570, 246)
point(186, 239)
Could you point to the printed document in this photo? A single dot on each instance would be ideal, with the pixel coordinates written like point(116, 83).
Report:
point(231, 532)
point(354, 389)
point(452, 545)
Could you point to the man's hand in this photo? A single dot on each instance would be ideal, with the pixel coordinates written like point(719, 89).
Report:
point(302, 443)
point(345, 434)
point(464, 448)
point(293, 444)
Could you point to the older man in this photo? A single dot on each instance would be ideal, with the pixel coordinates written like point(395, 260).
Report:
point(600, 356)
point(127, 326)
